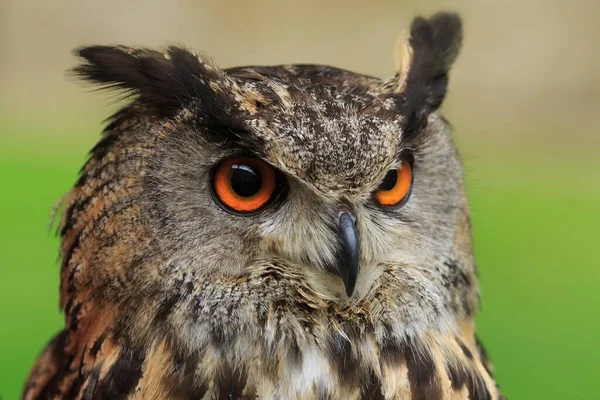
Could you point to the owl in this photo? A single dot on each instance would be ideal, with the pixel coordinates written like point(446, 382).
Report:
point(283, 232)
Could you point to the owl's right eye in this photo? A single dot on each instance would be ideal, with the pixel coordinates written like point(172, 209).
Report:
point(244, 185)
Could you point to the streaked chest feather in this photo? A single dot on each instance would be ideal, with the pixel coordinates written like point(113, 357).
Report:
point(436, 366)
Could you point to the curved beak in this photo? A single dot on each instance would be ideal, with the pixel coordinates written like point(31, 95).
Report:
point(349, 267)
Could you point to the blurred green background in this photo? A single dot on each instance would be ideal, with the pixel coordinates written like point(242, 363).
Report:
point(524, 99)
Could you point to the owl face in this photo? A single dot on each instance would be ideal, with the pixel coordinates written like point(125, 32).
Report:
point(334, 175)
point(319, 178)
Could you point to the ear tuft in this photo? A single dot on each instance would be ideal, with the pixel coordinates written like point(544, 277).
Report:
point(166, 81)
point(435, 43)
point(423, 63)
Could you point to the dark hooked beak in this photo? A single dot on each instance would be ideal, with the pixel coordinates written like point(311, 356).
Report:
point(350, 252)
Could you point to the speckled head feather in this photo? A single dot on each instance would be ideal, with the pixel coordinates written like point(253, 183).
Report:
point(324, 293)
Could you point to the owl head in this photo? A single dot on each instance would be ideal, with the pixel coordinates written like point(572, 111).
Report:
point(347, 185)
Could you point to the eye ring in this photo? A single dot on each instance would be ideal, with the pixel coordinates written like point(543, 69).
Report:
point(396, 187)
point(243, 185)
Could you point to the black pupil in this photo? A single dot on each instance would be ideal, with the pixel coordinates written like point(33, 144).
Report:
point(389, 181)
point(245, 181)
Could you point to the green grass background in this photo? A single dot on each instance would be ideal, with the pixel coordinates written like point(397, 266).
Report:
point(536, 215)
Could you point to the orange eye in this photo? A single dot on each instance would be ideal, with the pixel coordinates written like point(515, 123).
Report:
point(396, 186)
point(244, 184)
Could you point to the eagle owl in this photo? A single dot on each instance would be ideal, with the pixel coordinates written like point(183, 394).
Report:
point(285, 232)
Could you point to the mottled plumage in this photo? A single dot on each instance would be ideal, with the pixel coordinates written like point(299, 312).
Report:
point(169, 296)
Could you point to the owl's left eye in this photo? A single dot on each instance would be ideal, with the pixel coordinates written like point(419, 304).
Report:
point(395, 189)
point(244, 184)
